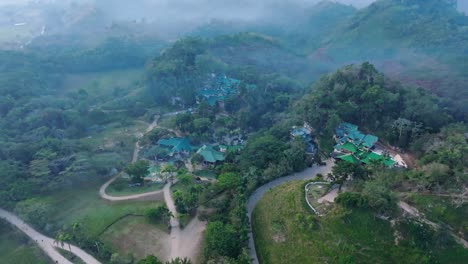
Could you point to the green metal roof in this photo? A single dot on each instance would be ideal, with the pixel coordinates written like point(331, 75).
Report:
point(371, 157)
point(369, 140)
point(211, 155)
point(177, 144)
point(350, 147)
point(389, 162)
point(349, 158)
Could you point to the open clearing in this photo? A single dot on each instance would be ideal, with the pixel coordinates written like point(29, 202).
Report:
point(135, 235)
point(286, 231)
point(86, 207)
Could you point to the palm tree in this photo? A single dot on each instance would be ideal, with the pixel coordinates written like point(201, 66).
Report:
point(61, 238)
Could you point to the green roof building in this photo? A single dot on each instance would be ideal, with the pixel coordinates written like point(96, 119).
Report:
point(210, 155)
point(349, 158)
point(355, 147)
point(176, 145)
point(369, 140)
point(347, 147)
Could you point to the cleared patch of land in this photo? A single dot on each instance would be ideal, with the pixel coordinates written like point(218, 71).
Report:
point(135, 235)
point(286, 231)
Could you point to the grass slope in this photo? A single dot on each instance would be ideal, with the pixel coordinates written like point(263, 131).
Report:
point(86, 207)
point(441, 210)
point(17, 248)
point(285, 232)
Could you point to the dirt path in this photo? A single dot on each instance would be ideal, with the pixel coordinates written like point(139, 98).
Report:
point(185, 243)
point(329, 197)
point(136, 152)
point(415, 213)
point(255, 197)
point(47, 244)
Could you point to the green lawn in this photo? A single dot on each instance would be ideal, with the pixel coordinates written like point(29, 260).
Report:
point(137, 236)
point(16, 248)
point(86, 207)
point(315, 192)
point(102, 85)
point(120, 188)
point(287, 232)
point(441, 210)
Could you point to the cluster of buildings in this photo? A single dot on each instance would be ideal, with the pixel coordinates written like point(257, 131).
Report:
point(355, 147)
point(218, 89)
point(305, 133)
point(179, 148)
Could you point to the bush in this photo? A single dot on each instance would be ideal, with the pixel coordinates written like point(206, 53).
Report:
point(351, 200)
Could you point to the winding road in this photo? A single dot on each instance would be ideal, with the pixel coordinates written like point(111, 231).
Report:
point(47, 244)
point(185, 243)
point(307, 174)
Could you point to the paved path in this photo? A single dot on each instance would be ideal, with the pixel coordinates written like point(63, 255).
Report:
point(47, 244)
point(307, 174)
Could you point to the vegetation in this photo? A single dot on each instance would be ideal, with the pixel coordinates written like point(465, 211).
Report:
point(70, 113)
point(17, 248)
point(283, 234)
point(137, 171)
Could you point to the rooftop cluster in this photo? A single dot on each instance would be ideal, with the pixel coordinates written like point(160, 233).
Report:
point(356, 147)
point(218, 89)
point(305, 132)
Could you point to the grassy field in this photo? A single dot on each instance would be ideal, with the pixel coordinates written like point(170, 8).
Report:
point(100, 86)
point(137, 236)
point(120, 188)
point(441, 210)
point(84, 205)
point(315, 192)
point(116, 139)
point(287, 232)
point(16, 248)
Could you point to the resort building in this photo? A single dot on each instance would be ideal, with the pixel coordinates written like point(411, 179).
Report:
point(355, 147)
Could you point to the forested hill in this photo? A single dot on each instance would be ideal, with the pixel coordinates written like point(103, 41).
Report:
point(422, 43)
point(419, 42)
point(362, 95)
point(425, 25)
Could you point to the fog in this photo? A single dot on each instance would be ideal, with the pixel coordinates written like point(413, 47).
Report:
point(165, 19)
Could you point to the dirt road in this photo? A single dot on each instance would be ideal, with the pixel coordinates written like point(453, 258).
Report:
point(47, 244)
point(185, 243)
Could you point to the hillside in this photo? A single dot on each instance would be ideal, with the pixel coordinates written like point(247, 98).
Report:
point(423, 43)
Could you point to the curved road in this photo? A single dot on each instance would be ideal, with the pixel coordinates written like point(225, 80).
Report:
point(47, 244)
point(184, 242)
point(255, 197)
point(136, 151)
